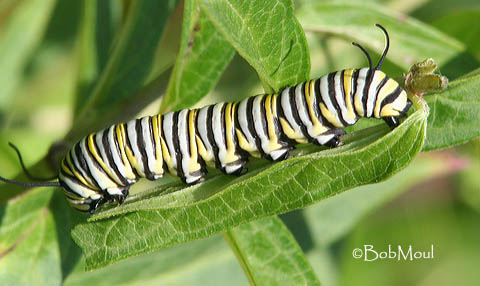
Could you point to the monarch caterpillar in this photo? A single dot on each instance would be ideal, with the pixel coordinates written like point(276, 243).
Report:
point(102, 166)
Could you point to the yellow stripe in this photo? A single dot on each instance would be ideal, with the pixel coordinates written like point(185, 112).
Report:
point(120, 131)
point(65, 168)
point(158, 164)
point(290, 132)
point(317, 127)
point(273, 142)
point(72, 196)
point(230, 156)
point(347, 86)
point(93, 150)
point(387, 89)
point(193, 164)
point(329, 116)
point(166, 155)
point(79, 175)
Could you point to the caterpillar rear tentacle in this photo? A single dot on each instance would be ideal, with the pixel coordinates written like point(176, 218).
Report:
point(102, 166)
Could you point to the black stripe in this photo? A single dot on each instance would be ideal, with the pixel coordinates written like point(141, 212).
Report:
point(142, 149)
point(129, 146)
point(108, 152)
point(379, 86)
point(197, 133)
point(94, 160)
point(263, 115)
point(276, 122)
point(251, 125)
point(237, 127)
point(304, 105)
point(333, 99)
point(83, 163)
point(203, 166)
point(391, 97)
point(211, 137)
point(162, 137)
point(368, 82)
point(281, 114)
point(223, 126)
point(152, 140)
point(67, 189)
point(294, 108)
point(176, 146)
point(316, 106)
point(187, 132)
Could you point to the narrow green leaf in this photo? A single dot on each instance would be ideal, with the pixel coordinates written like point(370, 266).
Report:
point(203, 56)
point(93, 47)
point(20, 36)
point(29, 252)
point(267, 35)
point(411, 40)
point(269, 254)
point(185, 213)
point(454, 115)
point(129, 65)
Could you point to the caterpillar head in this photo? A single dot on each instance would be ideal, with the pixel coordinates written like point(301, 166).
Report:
point(394, 106)
point(391, 99)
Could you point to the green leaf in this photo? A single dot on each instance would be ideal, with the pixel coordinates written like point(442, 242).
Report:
point(18, 39)
point(454, 113)
point(203, 56)
point(200, 262)
point(334, 217)
point(269, 254)
point(459, 24)
point(175, 214)
point(129, 64)
point(29, 252)
point(411, 40)
point(267, 35)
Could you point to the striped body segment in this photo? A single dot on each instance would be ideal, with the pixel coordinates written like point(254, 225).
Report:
point(102, 166)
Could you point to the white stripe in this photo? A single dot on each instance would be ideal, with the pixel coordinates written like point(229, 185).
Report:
point(76, 162)
point(359, 91)
point(257, 121)
point(340, 97)
point(104, 182)
point(184, 142)
point(218, 134)
point(116, 156)
point(78, 189)
point(372, 96)
point(322, 139)
point(203, 131)
point(132, 137)
point(167, 131)
point(98, 140)
point(287, 110)
point(243, 120)
point(149, 148)
point(326, 98)
point(302, 109)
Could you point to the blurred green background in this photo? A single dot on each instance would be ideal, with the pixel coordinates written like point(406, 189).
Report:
point(434, 201)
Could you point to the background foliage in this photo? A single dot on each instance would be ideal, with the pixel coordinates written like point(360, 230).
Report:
point(69, 68)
